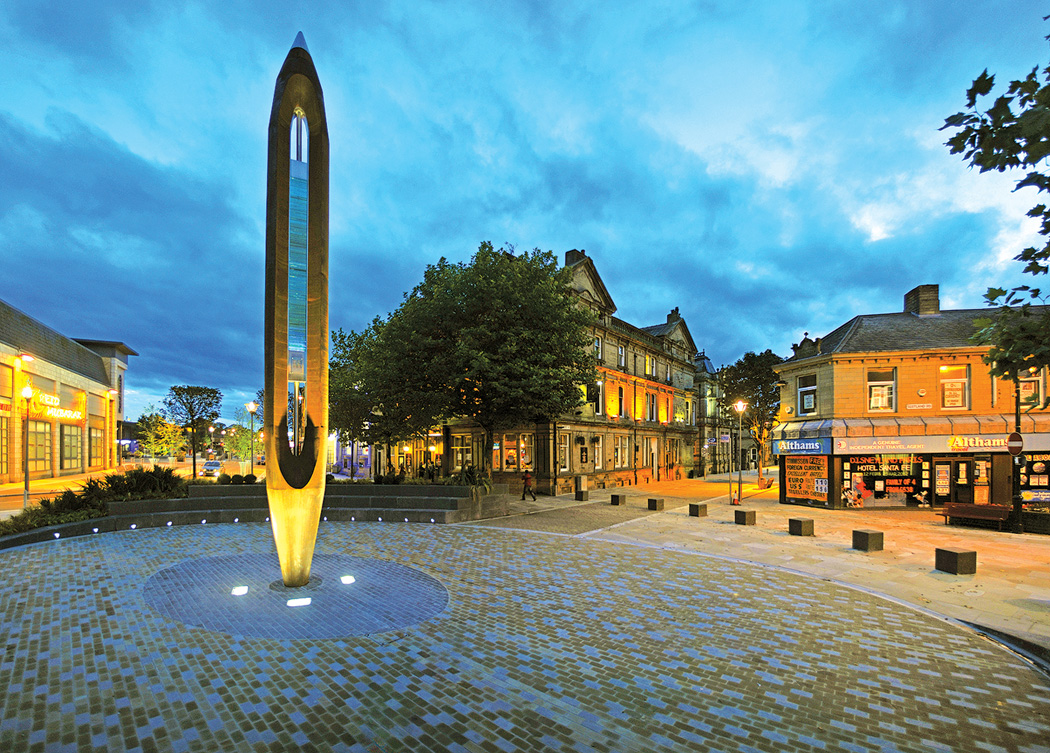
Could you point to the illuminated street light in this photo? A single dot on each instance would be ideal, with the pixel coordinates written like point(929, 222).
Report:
point(252, 407)
point(740, 407)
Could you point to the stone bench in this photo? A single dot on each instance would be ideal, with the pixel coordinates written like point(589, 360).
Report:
point(867, 540)
point(956, 561)
point(744, 517)
point(800, 526)
point(697, 510)
point(656, 503)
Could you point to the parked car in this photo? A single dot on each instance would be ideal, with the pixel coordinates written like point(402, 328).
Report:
point(211, 468)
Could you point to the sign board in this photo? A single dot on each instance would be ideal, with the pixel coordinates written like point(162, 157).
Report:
point(817, 446)
point(1015, 444)
point(806, 477)
point(724, 438)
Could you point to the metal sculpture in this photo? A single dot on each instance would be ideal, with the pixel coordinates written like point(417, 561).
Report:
point(296, 386)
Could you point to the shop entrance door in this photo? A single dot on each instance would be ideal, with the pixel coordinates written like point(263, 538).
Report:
point(952, 481)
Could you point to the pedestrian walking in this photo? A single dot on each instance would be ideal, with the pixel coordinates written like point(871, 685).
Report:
point(526, 481)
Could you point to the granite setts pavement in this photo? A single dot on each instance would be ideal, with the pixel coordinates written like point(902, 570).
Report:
point(547, 642)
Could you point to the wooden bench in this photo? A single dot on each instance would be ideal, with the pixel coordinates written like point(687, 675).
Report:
point(997, 513)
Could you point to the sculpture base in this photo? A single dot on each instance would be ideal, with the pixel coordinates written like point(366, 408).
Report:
point(294, 514)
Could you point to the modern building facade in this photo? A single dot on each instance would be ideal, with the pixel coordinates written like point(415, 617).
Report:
point(899, 409)
point(61, 400)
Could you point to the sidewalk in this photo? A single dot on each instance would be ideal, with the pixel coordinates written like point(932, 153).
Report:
point(1010, 592)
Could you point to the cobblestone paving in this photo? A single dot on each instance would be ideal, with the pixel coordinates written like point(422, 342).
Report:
point(547, 643)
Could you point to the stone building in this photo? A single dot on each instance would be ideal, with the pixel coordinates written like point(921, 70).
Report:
point(898, 409)
point(65, 396)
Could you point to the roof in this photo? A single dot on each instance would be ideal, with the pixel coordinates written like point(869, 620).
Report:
point(872, 333)
point(26, 334)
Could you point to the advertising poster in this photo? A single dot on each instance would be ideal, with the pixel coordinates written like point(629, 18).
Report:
point(890, 479)
point(806, 477)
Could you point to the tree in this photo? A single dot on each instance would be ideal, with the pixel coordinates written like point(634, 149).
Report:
point(1002, 139)
point(501, 340)
point(156, 435)
point(753, 380)
point(193, 408)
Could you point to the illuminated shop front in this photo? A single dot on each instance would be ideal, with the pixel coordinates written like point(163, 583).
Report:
point(884, 471)
point(60, 399)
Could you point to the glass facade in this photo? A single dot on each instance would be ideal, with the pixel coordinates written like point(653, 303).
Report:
point(95, 447)
point(39, 446)
point(71, 437)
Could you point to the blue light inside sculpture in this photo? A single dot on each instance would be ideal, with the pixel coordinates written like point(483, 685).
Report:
point(298, 222)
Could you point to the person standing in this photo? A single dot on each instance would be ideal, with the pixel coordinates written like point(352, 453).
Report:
point(526, 481)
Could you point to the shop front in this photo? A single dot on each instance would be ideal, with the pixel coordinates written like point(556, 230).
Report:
point(911, 471)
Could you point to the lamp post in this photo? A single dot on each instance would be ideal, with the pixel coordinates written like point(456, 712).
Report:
point(251, 408)
point(27, 393)
point(211, 439)
point(1017, 523)
point(740, 407)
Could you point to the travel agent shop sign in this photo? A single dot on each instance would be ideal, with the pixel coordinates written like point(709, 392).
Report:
point(818, 446)
point(943, 443)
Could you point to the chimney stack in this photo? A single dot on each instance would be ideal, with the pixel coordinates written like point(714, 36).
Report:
point(924, 300)
point(574, 256)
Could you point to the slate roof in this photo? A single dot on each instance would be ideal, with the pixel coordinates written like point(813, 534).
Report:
point(24, 333)
point(872, 333)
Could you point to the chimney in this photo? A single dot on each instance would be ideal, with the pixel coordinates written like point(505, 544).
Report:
point(674, 316)
point(924, 300)
point(574, 256)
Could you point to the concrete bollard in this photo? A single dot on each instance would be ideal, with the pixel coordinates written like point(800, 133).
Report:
point(697, 510)
point(800, 526)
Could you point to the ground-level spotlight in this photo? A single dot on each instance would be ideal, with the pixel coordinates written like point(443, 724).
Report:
point(346, 580)
point(304, 602)
point(239, 590)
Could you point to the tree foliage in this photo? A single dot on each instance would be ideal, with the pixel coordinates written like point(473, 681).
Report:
point(501, 340)
point(753, 380)
point(156, 435)
point(193, 408)
point(1013, 133)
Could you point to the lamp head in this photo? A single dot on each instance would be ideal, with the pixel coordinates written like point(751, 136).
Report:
point(27, 392)
point(252, 407)
point(740, 406)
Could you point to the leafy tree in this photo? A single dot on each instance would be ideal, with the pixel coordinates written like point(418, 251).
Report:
point(194, 408)
point(1013, 133)
point(753, 380)
point(501, 340)
point(158, 436)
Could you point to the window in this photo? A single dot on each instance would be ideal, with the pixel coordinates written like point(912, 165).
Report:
point(70, 437)
point(3, 445)
point(461, 452)
point(598, 348)
point(621, 356)
point(563, 452)
point(6, 386)
point(621, 446)
point(881, 390)
point(650, 407)
point(1030, 388)
point(598, 454)
point(95, 444)
point(517, 452)
point(621, 407)
point(807, 394)
point(667, 373)
point(955, 387)
point(599, 397)
point(39, 446)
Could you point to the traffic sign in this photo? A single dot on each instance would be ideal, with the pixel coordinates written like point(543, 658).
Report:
point(1015, 444)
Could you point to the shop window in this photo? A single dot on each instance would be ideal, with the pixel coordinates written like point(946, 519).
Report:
point(807, 394)
point(517, 452)
point(599, 455)
point(95, 447)
point(1031, 389)
point(39, 446)
point(621, 356)
point(955, 387)
point(70, 437)
point(882, 392)
point(563, 452)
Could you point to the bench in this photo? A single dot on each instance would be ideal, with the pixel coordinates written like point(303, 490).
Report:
point(997, 513)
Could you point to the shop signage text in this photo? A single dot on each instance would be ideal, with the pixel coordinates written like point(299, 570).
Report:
point(818, 446)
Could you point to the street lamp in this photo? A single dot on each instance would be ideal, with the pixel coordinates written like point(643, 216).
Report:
point(211, 439)
point(740, 406)
point(252, 407)
point(27, 393)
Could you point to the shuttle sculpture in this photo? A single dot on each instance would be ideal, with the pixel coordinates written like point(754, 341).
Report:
point(296, 379)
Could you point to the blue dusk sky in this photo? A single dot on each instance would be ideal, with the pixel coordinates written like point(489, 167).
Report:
point(767, 167)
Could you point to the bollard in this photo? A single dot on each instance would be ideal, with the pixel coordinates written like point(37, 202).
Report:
point(697, 510)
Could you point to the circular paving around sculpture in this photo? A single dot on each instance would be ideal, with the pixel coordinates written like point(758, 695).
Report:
point(547, 642)
point(346, 596)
